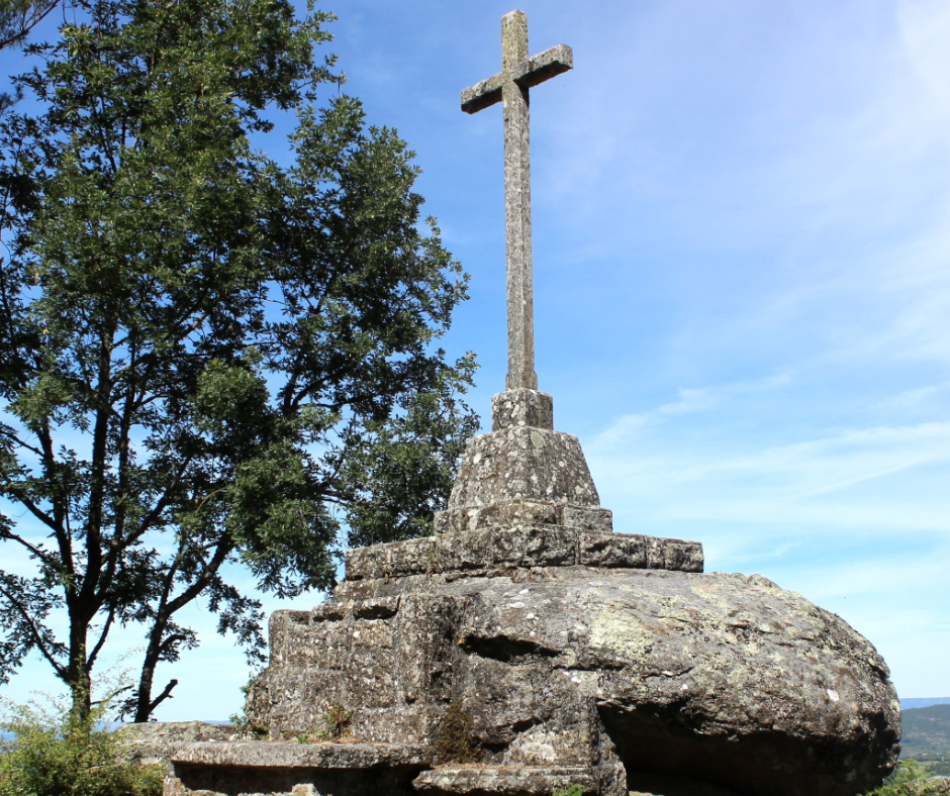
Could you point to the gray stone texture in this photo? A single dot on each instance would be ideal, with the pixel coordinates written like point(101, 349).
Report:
point(504, 780)
point(293, 769)
point(523, 463)
point(725, 680)
point(511, 86)
point(516, 513)
point(522, 408)
point(148, 743)
point(489, 551)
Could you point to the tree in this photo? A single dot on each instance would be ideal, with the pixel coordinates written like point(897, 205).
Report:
point(19, 17)
point(205, 356)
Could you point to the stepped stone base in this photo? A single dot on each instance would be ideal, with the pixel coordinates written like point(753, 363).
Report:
point(507, 780)
point(487, 551)
point(569, 653)
point(294, 769)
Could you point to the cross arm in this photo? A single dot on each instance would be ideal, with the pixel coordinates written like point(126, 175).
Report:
point(552, 62)
point(483, 94)
point(527, 74)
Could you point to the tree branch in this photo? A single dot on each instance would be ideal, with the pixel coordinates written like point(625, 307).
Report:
point(225, 546)
point(9, 433)
point(61, 511)
point(38, 640)
point(16, 36)
point(166, 694)
point(30, 506)
point(39, 552)
point(102, 638)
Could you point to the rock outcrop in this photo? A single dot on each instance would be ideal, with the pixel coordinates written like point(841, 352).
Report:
point(150, 743)
point(722, 679)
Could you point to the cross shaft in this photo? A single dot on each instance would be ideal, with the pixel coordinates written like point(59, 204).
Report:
point(510, 86)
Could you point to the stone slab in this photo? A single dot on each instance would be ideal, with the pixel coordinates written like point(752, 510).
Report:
point(634, 551)
point(522, 408)
point(290, 754)
point(253, 768)
point(503, 780)
point(409, 557)
point(508, 513)
point(521, 546)
point(148, 743)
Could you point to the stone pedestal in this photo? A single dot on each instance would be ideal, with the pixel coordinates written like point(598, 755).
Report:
point(566, 653)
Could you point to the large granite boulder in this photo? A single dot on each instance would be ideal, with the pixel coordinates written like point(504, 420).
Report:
point(683, 677)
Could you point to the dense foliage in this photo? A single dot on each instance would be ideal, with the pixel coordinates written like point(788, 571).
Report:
point(909, 779)
point(205, 356)
point(50, 751)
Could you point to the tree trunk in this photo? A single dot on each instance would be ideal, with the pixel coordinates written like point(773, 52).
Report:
point(78, 677)
point(143, 696)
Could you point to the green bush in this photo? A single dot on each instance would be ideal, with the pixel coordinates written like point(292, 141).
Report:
point(570, 790)
point(54, 752)
point(908, 779)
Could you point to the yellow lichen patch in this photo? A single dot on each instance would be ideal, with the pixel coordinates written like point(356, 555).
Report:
point(614, 629)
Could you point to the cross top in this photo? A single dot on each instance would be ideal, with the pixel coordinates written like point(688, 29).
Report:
point(518, 74)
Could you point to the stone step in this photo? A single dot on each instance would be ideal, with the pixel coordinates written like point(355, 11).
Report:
point(521, 547)
point(504, 780)
point(253, 768)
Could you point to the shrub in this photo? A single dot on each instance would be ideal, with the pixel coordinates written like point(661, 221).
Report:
point(908, 779)
point(336, 723)
point(570, 790)
point(55, 752)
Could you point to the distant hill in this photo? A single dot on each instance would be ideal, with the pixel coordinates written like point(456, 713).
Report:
point(923, 702)
point(926, 732)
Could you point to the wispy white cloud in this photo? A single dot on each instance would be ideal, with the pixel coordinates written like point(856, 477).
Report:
point(698, 457)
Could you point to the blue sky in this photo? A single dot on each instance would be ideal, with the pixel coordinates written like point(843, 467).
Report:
point(742, 281)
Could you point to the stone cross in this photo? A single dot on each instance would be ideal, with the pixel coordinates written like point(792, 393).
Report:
point(510, 86)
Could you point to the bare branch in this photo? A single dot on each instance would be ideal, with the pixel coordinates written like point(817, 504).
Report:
point(166, 694)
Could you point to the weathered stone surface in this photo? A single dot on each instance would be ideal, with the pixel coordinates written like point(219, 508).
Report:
point(639, 552)
point(510, 513)
point(384, 665)
point(175, 787)
point(253, 754)
point(522, 408)
point(519, 547)
point(519, 73)
point(148, 743)
point(723, 680)
point(504, 780)
point(522, 546)
point(523, 463)
point(409, 557)
point(294, 769)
